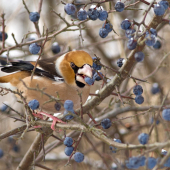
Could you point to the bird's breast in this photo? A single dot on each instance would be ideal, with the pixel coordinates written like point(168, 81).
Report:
point(56, 89)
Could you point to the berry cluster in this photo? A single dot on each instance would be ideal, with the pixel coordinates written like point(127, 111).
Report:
point(68, 142)
point(97, 75)
point(68, 106)
point(138, 90)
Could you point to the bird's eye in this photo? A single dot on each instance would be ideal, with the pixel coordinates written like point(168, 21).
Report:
point(72, 65)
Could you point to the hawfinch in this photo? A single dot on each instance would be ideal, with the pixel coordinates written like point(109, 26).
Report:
point(62, 76)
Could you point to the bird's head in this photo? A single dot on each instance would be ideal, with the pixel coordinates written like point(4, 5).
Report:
point(74, 66)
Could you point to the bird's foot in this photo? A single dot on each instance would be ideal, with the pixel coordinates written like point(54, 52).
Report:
point(55, 119)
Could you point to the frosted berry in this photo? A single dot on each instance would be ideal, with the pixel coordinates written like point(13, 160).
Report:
point(57, 106)
point(6, 36)
point(131, 44)
point(139, 56)
point(68, 105)
point(166, 114)
point(103, 15)
point(66, 116)
point(155, 88)
point(120, 62)
point(143, 138)
point(93, 13)
point(106, 123)
point(68, 150)
point(3, 107)
point(89, 80)
point(159, 9)
point(151, 162)
point(157, 45)
point(139, 99)
point(96, 66)
point(70, 9)
point(96, 77)
point(33, 104)
point(153, 31)
point(129, 33)
point(108, 27)
point(126, 24)
point(34, 16)
point(78, 157)
point(55, 48)
point(119, 6)
point(138, 90)
point(150, 39)
point(34, 48)
point(103, 32)
point(82, 14)
point(68, 141)
point(164, 3)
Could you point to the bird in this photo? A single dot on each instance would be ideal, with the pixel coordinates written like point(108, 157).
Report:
point(61, 77)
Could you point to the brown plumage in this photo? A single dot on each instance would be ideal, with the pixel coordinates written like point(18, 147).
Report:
point(70, 68)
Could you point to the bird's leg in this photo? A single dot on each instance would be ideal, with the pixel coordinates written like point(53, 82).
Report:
point(55, 119)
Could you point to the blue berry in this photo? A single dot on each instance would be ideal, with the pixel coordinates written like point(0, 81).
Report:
point(139, 56)
point(1, 153)
point(55, 48)
point(97, 77)
point(138, 90)
point(68, 105)
point(120, 62)
point(106, 123)
point(159, 10)
point(57, 106)
point(82, 14)
point(34, 48)
point(167, 163)
point(108, 27)
point(70, 9)
point(78, 157)
point(164, 3)
point(150, 39)
point(142, 160)
point(131, 44)
point(89, 81)
point(11, 140)
point(126, 24)
point(139, 99)
point(143, 138)
point(119, 6)
point(103, 15)
point(68, 150)
point(157, 45)
point(114, 149)
point(16, 148)
point(133, 163)
point(33, 104)
point(93, 13)
point(129, 33)
point(151, 162)
point(34, 16)
point(153, 31)
point(68, 141)
point(155, 88)
point(3, 107)
point(103, 32)
point(96, 66)
point(1, 33)
point(166, 114)
point(152, 120)
point(67, 117)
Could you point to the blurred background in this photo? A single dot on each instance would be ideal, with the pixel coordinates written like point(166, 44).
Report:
point(109, 49)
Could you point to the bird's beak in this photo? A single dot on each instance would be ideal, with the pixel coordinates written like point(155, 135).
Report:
point(86, 70)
